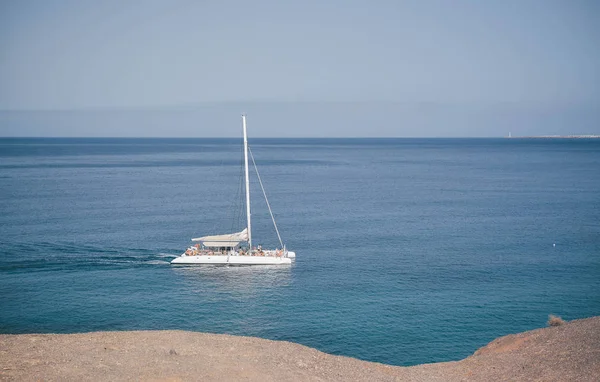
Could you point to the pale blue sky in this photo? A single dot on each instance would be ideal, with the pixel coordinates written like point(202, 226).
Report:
point(359, 68)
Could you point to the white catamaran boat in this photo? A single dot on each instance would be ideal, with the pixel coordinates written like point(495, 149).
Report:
point(227, 249)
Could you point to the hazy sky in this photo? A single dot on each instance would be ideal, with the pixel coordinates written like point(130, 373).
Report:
point(468, 60)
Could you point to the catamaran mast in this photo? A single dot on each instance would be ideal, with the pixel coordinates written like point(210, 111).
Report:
point(247, 184)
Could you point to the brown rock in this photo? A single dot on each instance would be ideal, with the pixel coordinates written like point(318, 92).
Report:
point(570, 352)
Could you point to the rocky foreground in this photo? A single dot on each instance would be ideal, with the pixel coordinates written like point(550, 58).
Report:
point(570, 352)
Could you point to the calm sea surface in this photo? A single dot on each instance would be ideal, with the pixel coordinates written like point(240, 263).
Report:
point(408, 250)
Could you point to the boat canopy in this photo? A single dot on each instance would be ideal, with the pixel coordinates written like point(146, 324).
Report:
point(227, 240)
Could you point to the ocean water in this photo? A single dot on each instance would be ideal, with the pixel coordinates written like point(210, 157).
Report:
point(408, 250)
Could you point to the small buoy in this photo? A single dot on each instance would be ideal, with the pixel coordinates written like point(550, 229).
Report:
point(554, 245)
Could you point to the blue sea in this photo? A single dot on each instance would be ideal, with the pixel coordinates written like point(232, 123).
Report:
point(408, 250)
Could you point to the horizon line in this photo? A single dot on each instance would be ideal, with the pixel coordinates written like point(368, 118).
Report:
point(569, 136)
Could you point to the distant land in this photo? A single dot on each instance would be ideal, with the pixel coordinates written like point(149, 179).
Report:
point(558, 136)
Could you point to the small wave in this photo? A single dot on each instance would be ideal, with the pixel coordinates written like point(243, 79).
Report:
point(166, 255)
point(157, 262)
point(70, 256)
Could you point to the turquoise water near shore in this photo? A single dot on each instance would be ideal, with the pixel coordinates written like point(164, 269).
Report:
point(409, 250)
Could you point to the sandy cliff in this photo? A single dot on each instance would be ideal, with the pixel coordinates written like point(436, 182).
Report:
point(570, 352)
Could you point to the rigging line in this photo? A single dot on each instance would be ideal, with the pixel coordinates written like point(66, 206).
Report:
point(231, 212)
point(237, 202)
point(265, 194)
point(241, 202)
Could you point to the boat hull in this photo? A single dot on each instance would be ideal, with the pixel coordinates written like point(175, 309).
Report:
point(231, 260)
